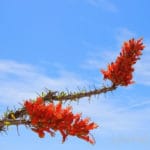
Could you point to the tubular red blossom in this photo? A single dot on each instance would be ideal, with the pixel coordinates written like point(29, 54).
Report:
point(52, 117)
point(120, 71)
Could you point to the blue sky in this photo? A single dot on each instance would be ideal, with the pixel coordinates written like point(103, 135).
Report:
point(62, 44)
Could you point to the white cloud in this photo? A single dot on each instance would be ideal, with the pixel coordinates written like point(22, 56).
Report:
point(99, 59)
point(9, 66)
point(142, 74)
point(123, 34)
point(98, 56)
point(21, 81)
point(113, 120)
point(104, 4)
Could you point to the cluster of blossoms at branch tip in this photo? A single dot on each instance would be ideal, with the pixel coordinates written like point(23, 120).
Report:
point(52, 117)
point(120, 71)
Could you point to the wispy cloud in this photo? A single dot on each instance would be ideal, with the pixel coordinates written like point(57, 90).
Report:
point(101, 56)
point(142, 73)
point(98, 56)
point(114, 120)
point(99, 59)
point(21, 81)
point(123, 34)
point(104, 4)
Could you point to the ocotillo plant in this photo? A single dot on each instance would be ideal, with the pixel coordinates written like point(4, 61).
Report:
point(46, 113)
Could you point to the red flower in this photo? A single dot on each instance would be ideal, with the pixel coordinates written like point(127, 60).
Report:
point(120, 71)
point(52, 117)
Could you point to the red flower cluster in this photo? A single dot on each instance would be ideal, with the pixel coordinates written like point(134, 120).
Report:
point(52, 117)
point(120, 71)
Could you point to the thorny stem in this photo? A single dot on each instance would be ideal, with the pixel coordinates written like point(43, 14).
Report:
point(13, 122)
point(4, 123)
point(19, 116)
point(54, 96)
